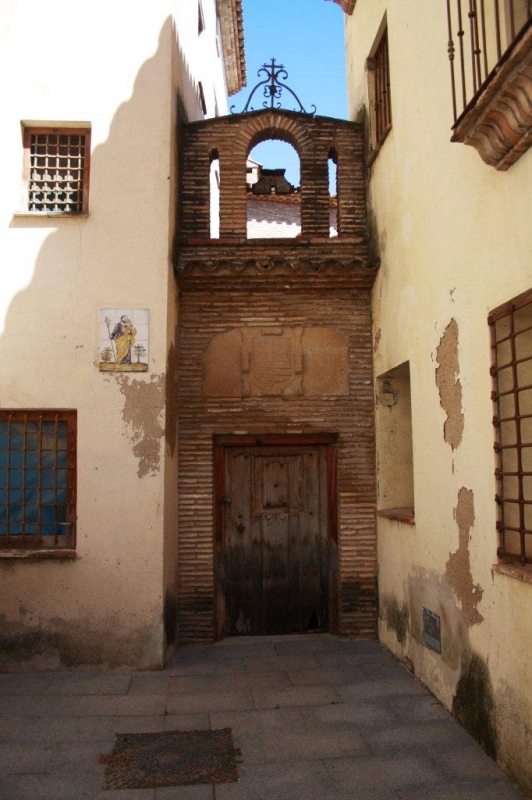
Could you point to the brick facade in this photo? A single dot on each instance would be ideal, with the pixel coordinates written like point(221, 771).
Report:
point(314, 283)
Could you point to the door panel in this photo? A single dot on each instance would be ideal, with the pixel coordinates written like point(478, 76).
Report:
point(276, 540)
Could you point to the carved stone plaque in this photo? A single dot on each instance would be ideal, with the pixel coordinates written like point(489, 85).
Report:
point(277, 361)
point(272, 361)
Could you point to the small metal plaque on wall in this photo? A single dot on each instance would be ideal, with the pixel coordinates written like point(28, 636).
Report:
point(432, 630)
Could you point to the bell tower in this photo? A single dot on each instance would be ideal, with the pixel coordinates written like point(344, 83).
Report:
point(275, 376)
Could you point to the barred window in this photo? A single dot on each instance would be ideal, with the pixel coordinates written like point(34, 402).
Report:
point(37, 479)
point(511, 341)
point(378, 67)
point(56, 170)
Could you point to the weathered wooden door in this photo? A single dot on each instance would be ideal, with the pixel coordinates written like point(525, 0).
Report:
point(276, 540)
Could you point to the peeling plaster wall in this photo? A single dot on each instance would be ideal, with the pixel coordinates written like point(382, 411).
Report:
point(454, 240)
point(449, 385)
point(114, 605)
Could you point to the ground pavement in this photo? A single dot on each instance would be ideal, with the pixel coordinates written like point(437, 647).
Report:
point(315, 717)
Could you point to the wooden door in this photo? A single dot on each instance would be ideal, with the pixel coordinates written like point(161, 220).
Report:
point(276, 540)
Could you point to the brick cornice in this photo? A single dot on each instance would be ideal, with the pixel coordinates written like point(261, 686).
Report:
point(311, 263)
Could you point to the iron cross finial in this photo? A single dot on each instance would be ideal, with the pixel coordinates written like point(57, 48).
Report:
point(273, 87)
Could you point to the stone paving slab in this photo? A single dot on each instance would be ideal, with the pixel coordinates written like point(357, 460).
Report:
point(128, 794)
point(81, 706)
point(85, 684)
point(209, 701)
point(353, 775)
point(343, 716)
point(295, 696)
point(399, 737)
point(228, 683)
point(156, 683)
point(372, 689)
point(410, 708)
point(184, 793)
point(83, 729)
point(282, 735)
point(464, 790)
point(299, 781)
point(22, 758)
point(187, 722)
point(466, 764)
point(24, 684)
point(316, 718)
point(330, 676)
point(303, 661)
point(43, 786)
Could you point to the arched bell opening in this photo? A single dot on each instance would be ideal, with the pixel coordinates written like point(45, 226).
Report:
point(214, 194)
point(334, 200)
point(273, 190)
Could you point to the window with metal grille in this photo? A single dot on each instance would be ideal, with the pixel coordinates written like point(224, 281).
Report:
point(379, 90)
point(511, 342)
point(37, 479)
point(56, 170)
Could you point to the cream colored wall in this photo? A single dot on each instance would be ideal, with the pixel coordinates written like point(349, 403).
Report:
point(120, 72)
point(454, 236)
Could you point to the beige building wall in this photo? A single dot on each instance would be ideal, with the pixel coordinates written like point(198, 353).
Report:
point(455, 240)
point(129, 77)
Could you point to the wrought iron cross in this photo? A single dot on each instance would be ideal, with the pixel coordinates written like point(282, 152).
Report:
point(273, 88)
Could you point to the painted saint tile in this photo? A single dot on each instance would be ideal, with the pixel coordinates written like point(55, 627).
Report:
point(124, 337)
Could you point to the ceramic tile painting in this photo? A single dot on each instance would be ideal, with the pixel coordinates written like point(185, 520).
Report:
point(124, 339)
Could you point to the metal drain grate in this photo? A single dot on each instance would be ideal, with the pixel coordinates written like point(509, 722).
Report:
point(171, 758)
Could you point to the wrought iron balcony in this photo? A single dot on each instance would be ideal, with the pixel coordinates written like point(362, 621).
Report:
point(490, 54)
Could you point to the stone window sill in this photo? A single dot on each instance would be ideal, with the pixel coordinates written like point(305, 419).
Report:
point(40, 215)
point(399, 514)
point(522, 573)
point(497, 122)
point(66, 553)
point(372, 155)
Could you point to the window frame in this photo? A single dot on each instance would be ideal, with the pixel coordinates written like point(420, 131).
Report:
point(379, 86)
point(507, 556)
point(28, 130)
point(35, 544)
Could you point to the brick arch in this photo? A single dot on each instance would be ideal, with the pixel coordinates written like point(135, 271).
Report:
point(275, 125)
point(297, 130)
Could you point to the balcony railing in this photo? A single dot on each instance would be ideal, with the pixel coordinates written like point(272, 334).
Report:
point(489, 50)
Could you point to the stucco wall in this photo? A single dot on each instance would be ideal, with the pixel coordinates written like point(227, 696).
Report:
point(107, 605)
point(454, 237)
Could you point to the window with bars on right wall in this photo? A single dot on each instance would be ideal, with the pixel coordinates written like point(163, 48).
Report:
point(511, 343)
point(378, 68)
